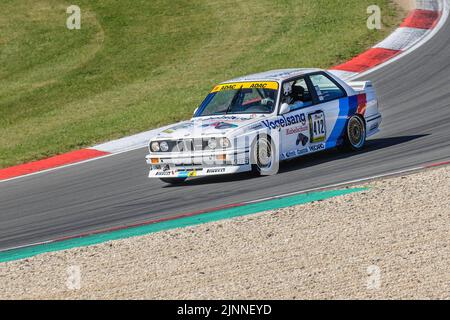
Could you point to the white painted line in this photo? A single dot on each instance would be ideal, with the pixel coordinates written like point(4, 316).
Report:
point(402, 39)
point(28, 245)
point(431, 5)
point(339, 184)
point(71, 164)
point(133, 142)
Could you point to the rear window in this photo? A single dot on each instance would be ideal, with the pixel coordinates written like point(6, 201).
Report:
point(326, 89)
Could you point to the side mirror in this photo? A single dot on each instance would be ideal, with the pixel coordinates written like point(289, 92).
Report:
point(285, 108)
point(195, 111)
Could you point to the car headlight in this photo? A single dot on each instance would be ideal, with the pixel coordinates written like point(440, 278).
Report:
point(224, 143)
point(154, 146)
point(212, 143)
point(164, 146)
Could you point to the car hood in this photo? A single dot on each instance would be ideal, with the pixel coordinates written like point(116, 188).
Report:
point(208, 126)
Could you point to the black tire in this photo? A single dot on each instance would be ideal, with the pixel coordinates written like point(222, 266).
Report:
point(173, 181)
point(355, 134)
point(261, 165)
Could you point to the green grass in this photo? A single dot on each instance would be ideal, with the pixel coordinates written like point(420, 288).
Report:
point(140, 64)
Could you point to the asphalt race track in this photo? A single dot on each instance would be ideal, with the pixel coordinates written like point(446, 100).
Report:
point(414, 95)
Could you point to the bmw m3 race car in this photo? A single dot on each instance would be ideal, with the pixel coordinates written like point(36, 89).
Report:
point(254, 122)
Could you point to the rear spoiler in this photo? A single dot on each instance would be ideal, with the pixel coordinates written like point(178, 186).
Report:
point(360, 85)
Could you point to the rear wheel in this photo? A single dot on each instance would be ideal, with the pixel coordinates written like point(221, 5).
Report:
point(355, 134)
point(173, 181)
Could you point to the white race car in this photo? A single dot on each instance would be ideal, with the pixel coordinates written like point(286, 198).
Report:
point(254, 122)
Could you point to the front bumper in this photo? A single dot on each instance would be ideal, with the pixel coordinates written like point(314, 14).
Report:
point(191, 172)
point(198, 164)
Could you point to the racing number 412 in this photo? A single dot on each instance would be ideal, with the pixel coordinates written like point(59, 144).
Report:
point(317, 127)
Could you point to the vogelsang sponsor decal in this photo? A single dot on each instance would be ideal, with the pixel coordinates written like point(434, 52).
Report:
point(283, 121)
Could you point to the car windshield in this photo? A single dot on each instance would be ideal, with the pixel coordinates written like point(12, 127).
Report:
point(240, 98)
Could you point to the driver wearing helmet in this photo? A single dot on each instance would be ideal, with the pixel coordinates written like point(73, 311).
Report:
point(293, 95)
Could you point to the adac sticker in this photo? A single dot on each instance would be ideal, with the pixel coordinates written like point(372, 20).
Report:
point(246, 85)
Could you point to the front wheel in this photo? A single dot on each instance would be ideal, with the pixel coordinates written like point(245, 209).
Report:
point(355, 134)
point(173, 181)
point(264, 160)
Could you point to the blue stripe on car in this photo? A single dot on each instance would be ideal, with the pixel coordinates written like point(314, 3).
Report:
point(347, 108)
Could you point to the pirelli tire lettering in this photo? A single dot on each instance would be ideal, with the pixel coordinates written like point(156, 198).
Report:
point(165, 173)
point(215, 171)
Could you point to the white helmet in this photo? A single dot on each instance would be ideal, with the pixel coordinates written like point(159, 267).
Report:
point(287, 88)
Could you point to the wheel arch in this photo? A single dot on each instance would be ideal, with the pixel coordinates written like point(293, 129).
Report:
point(362, 117)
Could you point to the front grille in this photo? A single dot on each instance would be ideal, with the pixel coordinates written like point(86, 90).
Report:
point(187, 145)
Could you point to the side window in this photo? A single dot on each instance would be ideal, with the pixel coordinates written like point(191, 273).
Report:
point(296, 94)
point(302, 93)
point(326, 89)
